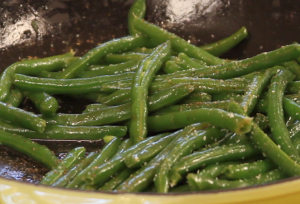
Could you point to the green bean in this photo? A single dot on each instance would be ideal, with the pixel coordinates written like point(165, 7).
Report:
point(218, 154)
point(143, 50)
point(171, 67)
point(185, 107)
point(65, 179)
point(25, 146)
point(269, 149)
point(255, 89)
point(138, 8)
point(107, 153)
point(117, 98)
point(220, 47)
point(120, 113)
point(207, 85)
point(248, 170)
point(58, 132)
point(94, 96)
point(202, 183)
point(296, 143)
point(114, 182)
point(22, 118)
point(125, 57)
point(227, 96)
point(188, 63)
point(111, 69)
point(15, 97)
point(45, 103)
point(128, 66)
point(139, 90)
point(294, 130)
point(30, 67)
point(101, 174)
point(95, 54)
point(275, 113)
point(195, 97)
point(193, 142)
point(94, 107)
point(139, 158)
point(178, 44)
point(293, 67)
point(66, 86)
point(243, 67)
point(291, 108)
point(47, 74)
point(214, 170)
point(142, 178)
point(72, 158)
point(123, 147)
point(217, 117)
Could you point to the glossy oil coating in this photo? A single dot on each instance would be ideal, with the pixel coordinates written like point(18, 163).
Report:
point(48, 27)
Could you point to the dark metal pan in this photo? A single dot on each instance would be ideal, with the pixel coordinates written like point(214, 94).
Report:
point(49, 27)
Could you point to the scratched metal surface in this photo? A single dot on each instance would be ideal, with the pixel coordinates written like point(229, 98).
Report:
point(48, 27)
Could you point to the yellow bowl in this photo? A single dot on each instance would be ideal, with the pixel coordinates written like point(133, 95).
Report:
point(14, 192)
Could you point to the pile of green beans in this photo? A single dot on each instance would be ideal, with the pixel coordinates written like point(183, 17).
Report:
point(174, 116)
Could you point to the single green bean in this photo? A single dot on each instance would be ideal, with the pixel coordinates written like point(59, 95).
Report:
point(109, 70)
point(15, 97)
point(47, 74)
point(220, 47)
point(138, 8)
point(125, 57)
point(22, 118)
point(185, 107)
point(94, 107)
point(25, 146)
point(45, 103)
point(66, 86)
point(117, 98)
point(178, 44)
point(195, 97)
point(59, 132)
point(248, 170)
point(255, 89)
point(96, 54)
point(201, 183)
point(139, 90)
point(72, 158)
point(275, 113)
point(217, 117)
point(128, 66)
point(214, 170)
